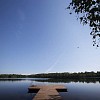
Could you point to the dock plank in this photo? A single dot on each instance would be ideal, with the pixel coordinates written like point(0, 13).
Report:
point(48, 92)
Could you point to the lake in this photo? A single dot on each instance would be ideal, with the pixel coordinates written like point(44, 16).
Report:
point(17, 89)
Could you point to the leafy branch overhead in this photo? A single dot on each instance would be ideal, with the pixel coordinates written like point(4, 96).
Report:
point(88, 12)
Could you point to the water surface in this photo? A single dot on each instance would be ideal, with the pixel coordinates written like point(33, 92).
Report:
point(17, 89)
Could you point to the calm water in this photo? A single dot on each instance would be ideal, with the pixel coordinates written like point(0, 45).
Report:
point(17, 89)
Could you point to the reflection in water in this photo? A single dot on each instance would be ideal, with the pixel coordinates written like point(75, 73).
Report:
point(83, 80)
point(15, 89)
point(78, 89)
point(82, 91)
point(22, 79)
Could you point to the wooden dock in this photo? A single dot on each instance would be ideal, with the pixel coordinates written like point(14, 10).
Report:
point(47, 92)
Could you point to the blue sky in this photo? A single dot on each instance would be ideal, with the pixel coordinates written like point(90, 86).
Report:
point(38, 36)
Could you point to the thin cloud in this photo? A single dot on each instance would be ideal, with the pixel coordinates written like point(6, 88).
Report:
point(55, 63)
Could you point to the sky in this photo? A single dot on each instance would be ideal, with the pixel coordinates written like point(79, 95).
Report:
point(40, 36)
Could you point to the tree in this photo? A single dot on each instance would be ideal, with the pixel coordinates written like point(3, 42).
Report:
point(88, 12)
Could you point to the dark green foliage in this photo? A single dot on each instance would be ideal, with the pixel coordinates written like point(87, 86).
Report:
point(88, 12)
point(67, 75)
point(12, 76)
point(56, 75)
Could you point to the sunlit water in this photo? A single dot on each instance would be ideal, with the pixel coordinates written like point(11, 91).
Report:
point(17, 89)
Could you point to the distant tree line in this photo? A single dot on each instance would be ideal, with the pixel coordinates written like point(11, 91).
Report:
point(55, 75)
point(12, 76)
point(67, 75)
